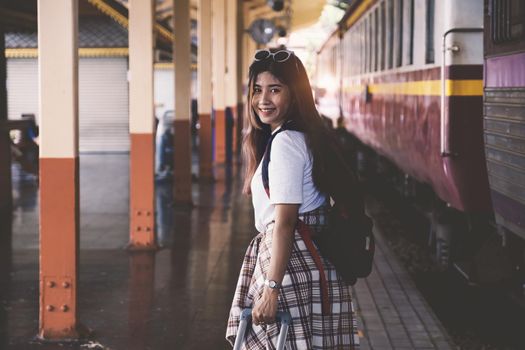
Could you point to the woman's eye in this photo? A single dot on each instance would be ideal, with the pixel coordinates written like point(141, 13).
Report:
point(275, 90)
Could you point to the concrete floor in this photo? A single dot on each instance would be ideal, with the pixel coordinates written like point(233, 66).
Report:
point(176, 298)
point(179, 296)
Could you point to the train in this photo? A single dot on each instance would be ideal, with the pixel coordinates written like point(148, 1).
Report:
point(434, 92)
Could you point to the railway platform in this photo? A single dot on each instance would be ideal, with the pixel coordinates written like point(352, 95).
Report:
point(178, 296)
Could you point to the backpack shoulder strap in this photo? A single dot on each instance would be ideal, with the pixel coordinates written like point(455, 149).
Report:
point(266, 162)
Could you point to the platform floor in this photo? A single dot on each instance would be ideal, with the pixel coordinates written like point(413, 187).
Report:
point(178, 297)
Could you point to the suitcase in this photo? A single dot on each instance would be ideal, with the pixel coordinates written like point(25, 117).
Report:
point(246, 317)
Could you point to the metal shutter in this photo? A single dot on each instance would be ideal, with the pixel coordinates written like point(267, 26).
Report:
point(22, 87)
point(103, 100)
point(103, 105)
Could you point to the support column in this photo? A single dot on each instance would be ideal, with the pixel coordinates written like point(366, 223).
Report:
point(232, 52)
point(182, 143)
point(141, 124)
point(204, 67)
point(218, 76)
point(6, 197)
point(59, 185)
point(248, 50)
point(240, 77)
point(249, 45)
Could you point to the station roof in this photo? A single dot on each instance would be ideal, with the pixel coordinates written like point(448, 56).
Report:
point(93, 32)
point(21, 17)
point(301, 13)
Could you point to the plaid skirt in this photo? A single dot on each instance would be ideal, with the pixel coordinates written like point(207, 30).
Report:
point(300, 295)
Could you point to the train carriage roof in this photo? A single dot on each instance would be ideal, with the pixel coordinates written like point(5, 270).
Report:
point(354, 12)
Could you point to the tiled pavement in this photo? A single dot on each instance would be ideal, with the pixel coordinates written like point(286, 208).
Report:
point(392, 313)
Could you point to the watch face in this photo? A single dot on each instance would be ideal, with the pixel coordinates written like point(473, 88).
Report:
point(272, 284)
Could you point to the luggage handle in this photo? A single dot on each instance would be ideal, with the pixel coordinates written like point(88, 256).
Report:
point(246, 316)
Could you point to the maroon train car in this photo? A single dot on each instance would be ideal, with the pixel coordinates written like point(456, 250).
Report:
point(410, 88)
point(504, 120)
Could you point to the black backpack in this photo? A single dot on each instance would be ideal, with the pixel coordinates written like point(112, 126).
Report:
point(347, 242)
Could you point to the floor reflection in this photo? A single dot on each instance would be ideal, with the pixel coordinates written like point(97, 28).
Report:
point(175, 298)
point(164, 215)
point(141, 283)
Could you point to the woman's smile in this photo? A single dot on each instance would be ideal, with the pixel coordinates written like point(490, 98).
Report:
point(271, 99)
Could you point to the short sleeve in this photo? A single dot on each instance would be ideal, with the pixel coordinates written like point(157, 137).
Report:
point(286, 168)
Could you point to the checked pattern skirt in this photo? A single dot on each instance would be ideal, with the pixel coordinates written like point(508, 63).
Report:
point(300, 295)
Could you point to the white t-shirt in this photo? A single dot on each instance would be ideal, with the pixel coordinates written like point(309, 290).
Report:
point(290, 179)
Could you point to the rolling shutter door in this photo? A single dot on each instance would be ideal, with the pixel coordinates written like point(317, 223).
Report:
point(103, 105)
point(22, 87)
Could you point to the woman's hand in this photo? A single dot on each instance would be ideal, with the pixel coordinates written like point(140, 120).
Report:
point(265, 308)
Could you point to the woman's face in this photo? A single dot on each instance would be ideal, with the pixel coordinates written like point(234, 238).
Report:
point(271, 99)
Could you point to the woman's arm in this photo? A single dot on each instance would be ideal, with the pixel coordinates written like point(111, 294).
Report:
point(282, 241)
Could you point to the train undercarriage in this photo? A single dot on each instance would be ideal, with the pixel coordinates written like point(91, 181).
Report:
point(484, 253)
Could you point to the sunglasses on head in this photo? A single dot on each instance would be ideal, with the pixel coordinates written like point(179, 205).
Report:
point(279, 56)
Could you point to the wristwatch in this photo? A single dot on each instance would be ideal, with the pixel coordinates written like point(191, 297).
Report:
point(272, 284)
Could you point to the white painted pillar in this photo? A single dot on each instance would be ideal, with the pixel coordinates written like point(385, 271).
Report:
point(59, 183)
point(232, 62)
point(204, 71)
point(182, 140)
point(141, 124)
point(218, 77)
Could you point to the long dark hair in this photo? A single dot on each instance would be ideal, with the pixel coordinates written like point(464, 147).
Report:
point(331, 175)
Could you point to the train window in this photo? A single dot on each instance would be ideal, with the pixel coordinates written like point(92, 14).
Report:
point(390, 34)
point(377, 39)
point(382, 36)
point(429, 55)
point(359, 49)
point(368, 41)
point(398, 33)
point(352, 52)
point(507, 20)
point(375, 36)
point(348, 57)
point(408, 31)
point(367, 45)
point(362, 38)
point(343, 67)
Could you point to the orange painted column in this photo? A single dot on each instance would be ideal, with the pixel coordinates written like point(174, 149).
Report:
point(182, 139)
point(59, 182)
point(142, 121)
point(59, 232)
point(205, 147)
point(238, 129)
point(220, 136)
point(182, 163)
point(232, 79)
point(204, 74)
point(234, 129)
point(142, 190)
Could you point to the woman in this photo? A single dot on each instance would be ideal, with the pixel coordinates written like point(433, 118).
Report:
point(282, 268)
